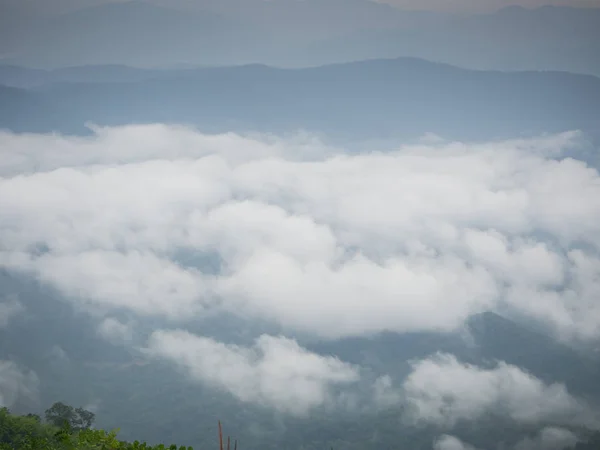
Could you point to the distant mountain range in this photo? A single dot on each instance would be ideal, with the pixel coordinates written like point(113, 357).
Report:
point(21, 77)
point(487, 338)
point(514, 38)
point(160, 33)
point(375, 99)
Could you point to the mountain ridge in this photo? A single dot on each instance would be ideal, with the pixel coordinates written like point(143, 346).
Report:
point(379, 99)
point(561, 38)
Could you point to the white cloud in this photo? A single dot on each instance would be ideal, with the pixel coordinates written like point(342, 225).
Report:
point(442, 390)
point(9, 307)
point(141, 281)
point(115, 331)
point(549, 438)
point(384, 393)
point(275, 372)
point(58, 355)
point(573, 309)
point(447, 442)
point(166, 221)
point(16, 383)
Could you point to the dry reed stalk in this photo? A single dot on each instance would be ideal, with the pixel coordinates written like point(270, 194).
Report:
point(220, 436)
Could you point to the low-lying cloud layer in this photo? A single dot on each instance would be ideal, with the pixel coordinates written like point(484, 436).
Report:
point(166, 221)
point(447, 442)
point(275, 372)
point(443, 391)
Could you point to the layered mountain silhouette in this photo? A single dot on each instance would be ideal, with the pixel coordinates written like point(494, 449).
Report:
point(159, 33)
point(371, 99)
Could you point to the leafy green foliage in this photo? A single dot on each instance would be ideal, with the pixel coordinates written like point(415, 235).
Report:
point(29, 433)
point(22, 432)
point(60, 414)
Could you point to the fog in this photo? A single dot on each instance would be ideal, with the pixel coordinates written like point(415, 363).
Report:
point(416, 238)
point(164, 225)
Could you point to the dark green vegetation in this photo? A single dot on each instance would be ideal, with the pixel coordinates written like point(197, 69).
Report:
point(30, 433)
point(76, 419)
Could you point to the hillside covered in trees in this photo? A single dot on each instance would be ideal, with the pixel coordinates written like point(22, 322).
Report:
point(68, 428)
point(64, 428)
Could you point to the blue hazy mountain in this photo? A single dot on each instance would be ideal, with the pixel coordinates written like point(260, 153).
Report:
point(23, 77)
point(514, 38)
point(161, 33)
point(371, 99)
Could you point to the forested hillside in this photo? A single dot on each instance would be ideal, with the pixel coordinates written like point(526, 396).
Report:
point(68, 428)
point(64, 428)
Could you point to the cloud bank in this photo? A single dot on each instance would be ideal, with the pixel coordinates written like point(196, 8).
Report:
point(115, 331)
point(447, 442)
point(275, 372)
point(444, 391)
point(167, 221)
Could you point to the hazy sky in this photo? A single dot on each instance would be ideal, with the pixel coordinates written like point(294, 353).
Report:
point(45, 6)
point(484, 5)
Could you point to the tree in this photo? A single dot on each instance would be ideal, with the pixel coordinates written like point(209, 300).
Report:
point(34, 417)
point(61, 415)
point(83, 419)
point(27, 433)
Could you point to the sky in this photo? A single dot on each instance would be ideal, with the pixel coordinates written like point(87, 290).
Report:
point(53, 6)
point(484, 5)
